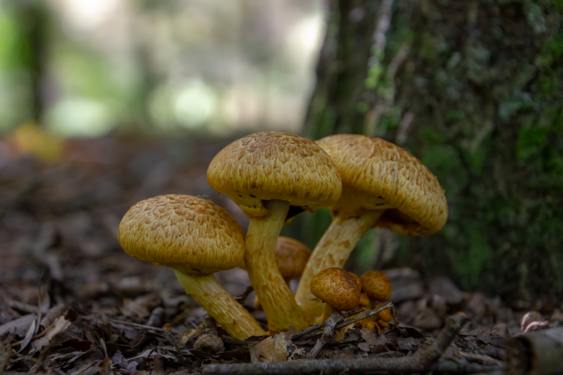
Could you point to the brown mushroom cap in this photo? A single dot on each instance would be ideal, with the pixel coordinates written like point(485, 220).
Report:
point(385, 315)
point(364, 300)
point(379, 175)
point(188, 234)
point(291, 257)
point(275, 166)
point(376, 285)
point(336, 287)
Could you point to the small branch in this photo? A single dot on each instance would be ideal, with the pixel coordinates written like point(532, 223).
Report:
point(313, 333)
point(328, 334)
point(422, 361)
point(321, 325)
point(242, 298)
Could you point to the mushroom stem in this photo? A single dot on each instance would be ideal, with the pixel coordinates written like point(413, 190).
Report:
point(275, 296)
point(220, 305)
point(333, 250)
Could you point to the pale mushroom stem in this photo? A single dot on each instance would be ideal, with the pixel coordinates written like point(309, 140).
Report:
point(333, 250)
point(257, 305)
point(275, 296)
point(220, 305)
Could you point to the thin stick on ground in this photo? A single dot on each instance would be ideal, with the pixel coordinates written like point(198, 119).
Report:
point(314, 331)
point(242, 298)
point(422, 361)
point(321, 325)
point(328, 334)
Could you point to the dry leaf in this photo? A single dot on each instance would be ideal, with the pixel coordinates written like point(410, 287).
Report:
point(271, 349)
point(59, 325)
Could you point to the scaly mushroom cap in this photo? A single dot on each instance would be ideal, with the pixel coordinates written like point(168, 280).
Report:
point(379, 175)
point(188, 234)
point(376, 285)
point(275, 166)
point(291, 257)
point(337, 287)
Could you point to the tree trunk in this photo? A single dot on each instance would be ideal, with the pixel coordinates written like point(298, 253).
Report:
point(474, 90)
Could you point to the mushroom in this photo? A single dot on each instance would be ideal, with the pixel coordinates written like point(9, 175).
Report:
point(383, 186)
point(377, 287)
point(195, 238)
point(273, 177)
point(339, 289)
point(291, 258)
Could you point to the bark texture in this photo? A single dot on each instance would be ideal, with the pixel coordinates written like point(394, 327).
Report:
point(473, 89)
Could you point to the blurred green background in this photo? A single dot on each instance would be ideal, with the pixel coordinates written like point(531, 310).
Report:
point(473, 89)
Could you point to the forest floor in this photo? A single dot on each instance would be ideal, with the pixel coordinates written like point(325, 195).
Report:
point(71, 301)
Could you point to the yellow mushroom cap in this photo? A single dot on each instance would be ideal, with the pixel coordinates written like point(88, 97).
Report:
point(336, 287)
point(377, 174)
point(376, 285)
point(191, 235)
point(275, 166)
point(291, 257)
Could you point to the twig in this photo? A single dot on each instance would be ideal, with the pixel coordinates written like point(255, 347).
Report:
point(242, 298)
point(173, 341)
point(345, 315)
point(328, 334)
point(346, 322)
point(462, 366)
point(422, 361)
point(149, 328)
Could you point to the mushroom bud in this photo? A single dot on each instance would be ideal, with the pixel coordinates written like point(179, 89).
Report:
point(273, 177)
point(382, 186)
point(195, 238)
point(377, 287)
point(338, 289)
point(291, 259)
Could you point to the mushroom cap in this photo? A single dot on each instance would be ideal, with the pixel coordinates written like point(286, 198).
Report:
point(291, 257)
point(275, 166)
point(384, 315)
point(377, 174)
point(364, 300)
point(336, 287)
point(189, 234)
point(376, 285)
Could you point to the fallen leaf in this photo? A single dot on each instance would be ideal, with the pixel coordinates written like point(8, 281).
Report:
point(271, 349)
point(59, 325)
point(18, 326)
point(28, 335)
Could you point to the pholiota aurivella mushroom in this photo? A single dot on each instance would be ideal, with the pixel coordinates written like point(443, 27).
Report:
point(291, 259)
point(273, 177)
point(339, 289)
point(195, 238)
point(383, 186)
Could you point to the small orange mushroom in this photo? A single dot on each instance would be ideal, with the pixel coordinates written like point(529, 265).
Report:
point(338, 289)
point(377, 287)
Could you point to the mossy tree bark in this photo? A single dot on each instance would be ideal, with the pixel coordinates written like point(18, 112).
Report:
point(474, 89)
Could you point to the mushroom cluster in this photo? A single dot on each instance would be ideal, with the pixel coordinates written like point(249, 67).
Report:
point(274, 177)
